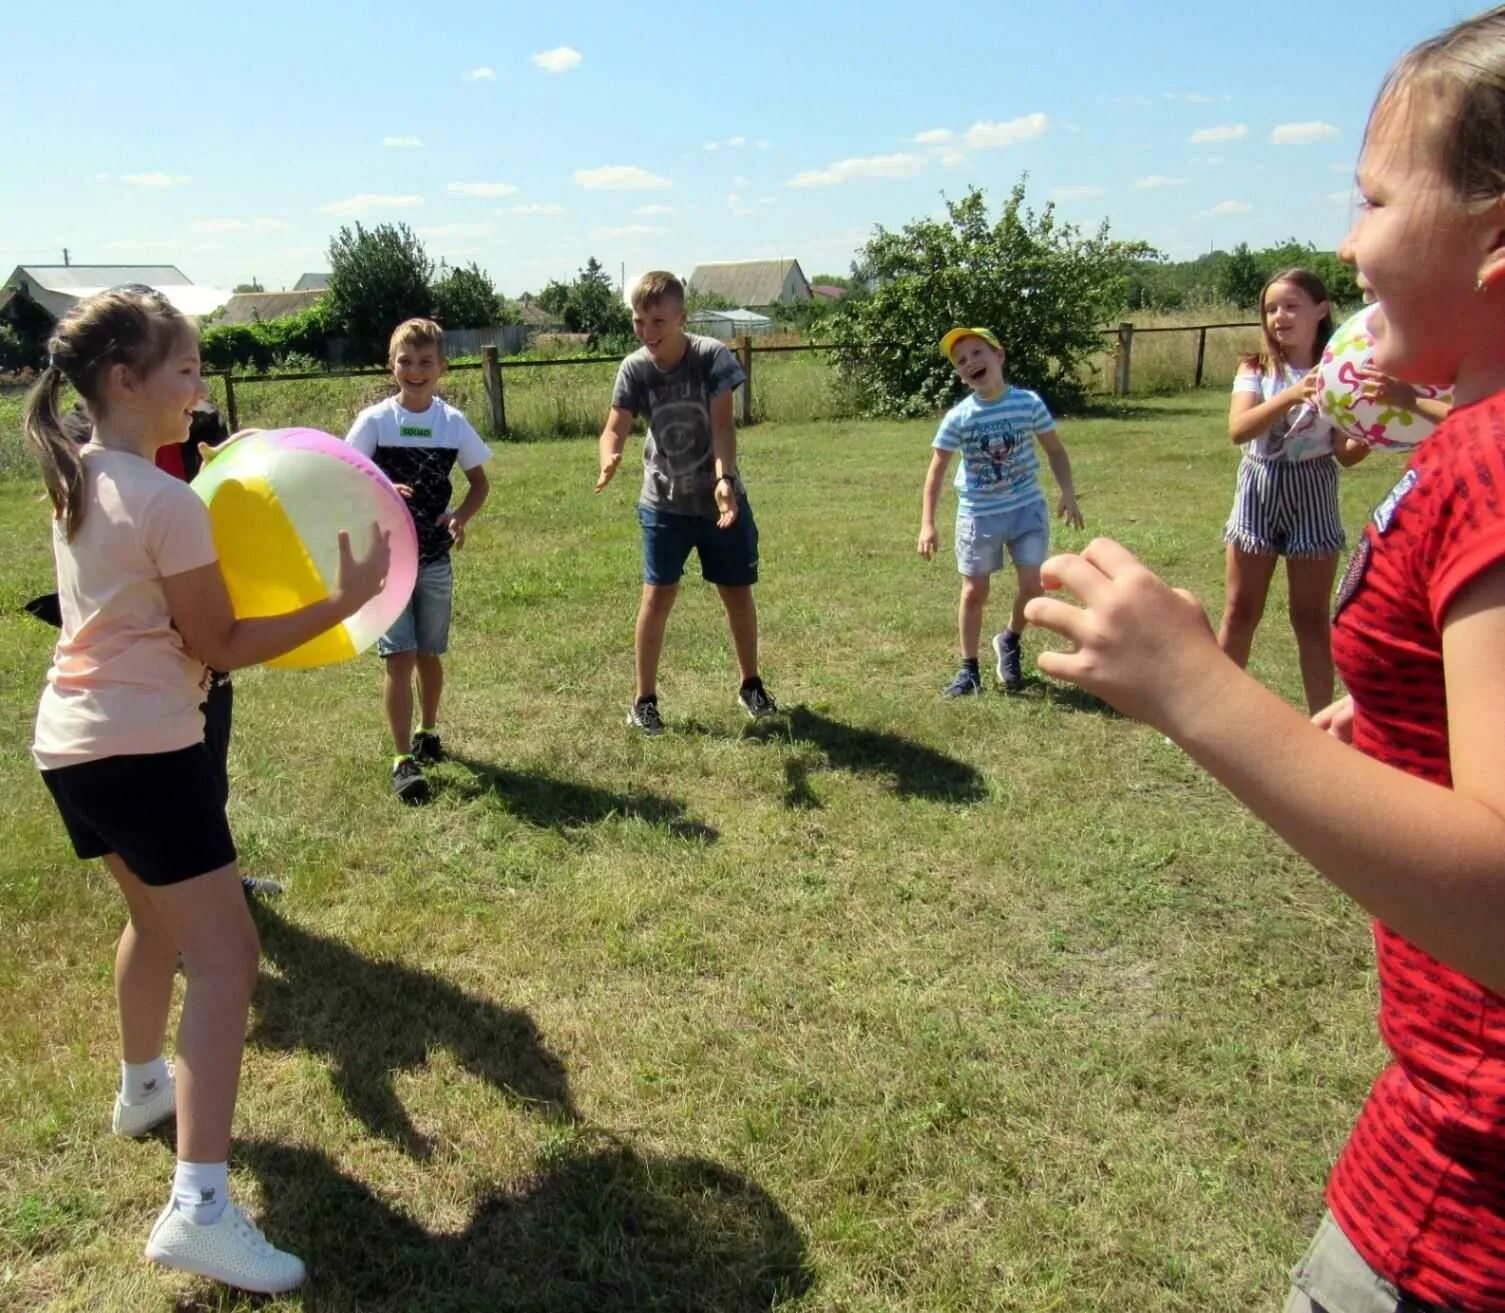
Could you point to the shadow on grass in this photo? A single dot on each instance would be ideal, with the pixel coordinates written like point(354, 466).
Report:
point(555, 804)
point(372, 1019)
point(917, 771)
point(1063, 695)
point(608, 1231)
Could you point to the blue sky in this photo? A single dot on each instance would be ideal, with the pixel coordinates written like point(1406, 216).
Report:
point(233, 140)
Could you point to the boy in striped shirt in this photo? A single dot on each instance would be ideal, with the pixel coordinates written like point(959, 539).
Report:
point(1000, 501)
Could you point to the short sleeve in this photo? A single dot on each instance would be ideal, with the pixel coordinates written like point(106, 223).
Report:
point(1468, 536)
point(725, 372)
point(1042, 418)
point(949, 436)
point(363, 433)
point(469, 447)
point(625, 392)
point(1250, 380)
point(176, 530)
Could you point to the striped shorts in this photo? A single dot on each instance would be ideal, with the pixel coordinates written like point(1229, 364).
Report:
point(1286, 508)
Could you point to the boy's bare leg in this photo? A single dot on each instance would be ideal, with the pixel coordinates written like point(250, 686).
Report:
point(430, 688)
point(648, 640)
point(1030, 585)
point(975, 590)
point(742, 617)
point(397, 694)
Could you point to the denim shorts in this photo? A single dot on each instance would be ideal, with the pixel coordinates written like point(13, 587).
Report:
point(980, 539)
point(1333, 1277)
point(728, 557)
point(423, 625)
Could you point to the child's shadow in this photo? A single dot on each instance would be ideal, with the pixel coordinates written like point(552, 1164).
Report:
point(372, 1019)
point(917, 771)
point(551, 803)
point(607, 1231)
point(1070, 696)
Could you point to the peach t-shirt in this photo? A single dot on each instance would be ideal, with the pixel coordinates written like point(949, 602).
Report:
point(121, 682)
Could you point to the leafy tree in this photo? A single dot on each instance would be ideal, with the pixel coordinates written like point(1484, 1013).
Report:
point(252, 286)
point(831, 280)
point(1042, 286)
point(466, 298)
point(28, 326)
point(1242, 276)
point(594, 308)
point(707, 301)
point(554, 297)
point(377, 278)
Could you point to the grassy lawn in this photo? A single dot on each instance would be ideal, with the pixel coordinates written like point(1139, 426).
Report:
point(891, 1004)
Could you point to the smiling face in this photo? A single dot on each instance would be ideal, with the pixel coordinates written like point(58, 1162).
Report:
point(417, 369)
point(1292, 317)
point(660, 326)
point(168, 394)
point(979, 366)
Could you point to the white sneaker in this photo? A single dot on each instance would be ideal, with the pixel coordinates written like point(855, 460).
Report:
point(136, 1119)
point(232, 1251)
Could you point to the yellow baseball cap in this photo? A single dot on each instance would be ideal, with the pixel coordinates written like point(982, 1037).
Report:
point(948, 343)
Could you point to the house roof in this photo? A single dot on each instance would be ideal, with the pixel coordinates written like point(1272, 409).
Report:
point(828, 291)
point(312, 283)
point(732, 316)
point(56, 287)
point(258, 307)
point(747, 282)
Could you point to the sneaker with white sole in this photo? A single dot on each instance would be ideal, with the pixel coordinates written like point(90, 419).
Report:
point(1009, 673)
point(644, 716)
point(134, 1120)
point(755, 700)
point(233, 1251)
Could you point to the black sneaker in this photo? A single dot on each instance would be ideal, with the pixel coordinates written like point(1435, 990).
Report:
point(260, 886)
point(755, 701)
point(965, 685)
point(427, 749)
point(1008, 662)
point(408, 782)
point(644, 716)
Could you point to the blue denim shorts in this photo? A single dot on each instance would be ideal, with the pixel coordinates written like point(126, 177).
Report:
point(980, 539)
point(423, 625)
point(728, 557)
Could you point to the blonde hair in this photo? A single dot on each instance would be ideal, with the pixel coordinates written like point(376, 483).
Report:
point(417, 333)
point(1464, 69)
point(133, 326)
point(655, 286)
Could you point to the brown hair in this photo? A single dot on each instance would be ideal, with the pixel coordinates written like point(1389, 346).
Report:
point(1463, 69)
point(415, 332)
point(132, 326)
point(1272, 357)
point(657, 286)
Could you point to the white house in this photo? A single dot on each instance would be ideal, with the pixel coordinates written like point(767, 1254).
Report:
point(56, 288)
point(729, 324)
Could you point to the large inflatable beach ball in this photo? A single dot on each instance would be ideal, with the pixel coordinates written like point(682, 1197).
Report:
point(277, 502)
point(1340, 395)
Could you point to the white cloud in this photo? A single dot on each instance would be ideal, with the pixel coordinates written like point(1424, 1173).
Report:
point(620, 177)
point(559, 60)
point(953, 158)
point(648, 211)
point(401, 143)
point(1302, 134)
point(534, 207)
point(449, 232)
point(986, 135)
point(1227, 209)
point(630, 230)
point(733, 143)
point(364, 202)
point(1083, 192)
point(1223, 132)
point(1157, 180)
point(711, 145)
point(218, 226)
point(481, 74)
point(933, 137)
point(871, 166)
point(154, 179)
point(487, 189)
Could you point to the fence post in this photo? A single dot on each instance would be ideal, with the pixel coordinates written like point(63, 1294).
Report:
point(1125, 350)
point(744, 354)
point(230, 412)
point(491, 372)
point(1201, 353)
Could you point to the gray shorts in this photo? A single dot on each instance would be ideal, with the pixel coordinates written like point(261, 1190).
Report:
point(981, 539)
point(1333, 1277)
point(423, 625)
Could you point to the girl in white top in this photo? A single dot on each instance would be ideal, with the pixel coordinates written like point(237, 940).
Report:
point(120, 742)
point(1287, 498)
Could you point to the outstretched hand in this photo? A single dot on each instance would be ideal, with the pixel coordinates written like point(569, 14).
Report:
point(361, 578)
point(1141, 645)
point(608, 469)
point(1069, 511)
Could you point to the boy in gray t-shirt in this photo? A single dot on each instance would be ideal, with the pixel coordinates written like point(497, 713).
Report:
point(692, 497)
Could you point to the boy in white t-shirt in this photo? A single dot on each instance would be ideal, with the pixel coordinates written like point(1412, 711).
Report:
point(416, 440)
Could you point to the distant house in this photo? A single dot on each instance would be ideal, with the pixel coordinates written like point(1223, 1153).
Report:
point(57, 288)
point(312, 283)
point(752, 282)
point(827, 292)
point(258, 307)
point(728, 324)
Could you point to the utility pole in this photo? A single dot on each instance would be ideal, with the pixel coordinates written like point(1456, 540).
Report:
point(65, 257)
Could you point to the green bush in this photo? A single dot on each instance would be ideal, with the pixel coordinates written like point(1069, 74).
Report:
point(261, 346)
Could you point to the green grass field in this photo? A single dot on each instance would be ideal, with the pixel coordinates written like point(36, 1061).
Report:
point(891, 1004)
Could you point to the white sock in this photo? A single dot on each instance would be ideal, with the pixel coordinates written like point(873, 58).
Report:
point(140, 1081)
point(201, 1190)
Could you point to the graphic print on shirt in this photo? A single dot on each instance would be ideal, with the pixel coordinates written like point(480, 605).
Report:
point(426, 470)
point(678, 433)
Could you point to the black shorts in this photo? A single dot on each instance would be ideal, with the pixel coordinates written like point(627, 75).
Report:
point(162, 813)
